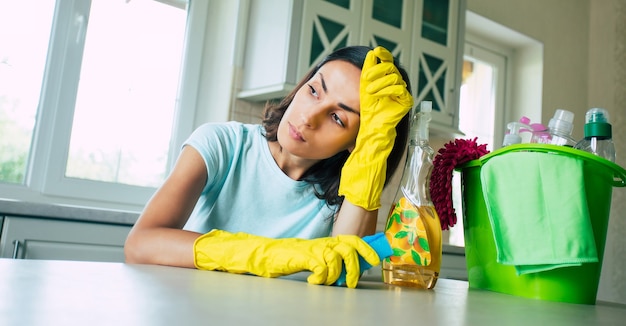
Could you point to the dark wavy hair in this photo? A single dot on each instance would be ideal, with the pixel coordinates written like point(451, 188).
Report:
point(325, 174)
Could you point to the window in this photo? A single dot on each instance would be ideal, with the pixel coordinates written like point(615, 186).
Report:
point(91, 96)
point(482, 94)
point(502, 82)
point(126, 96)
point(480, 110)
point(22, 61)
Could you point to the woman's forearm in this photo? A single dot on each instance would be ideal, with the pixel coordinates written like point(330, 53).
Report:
point(353, 219)
point(161, 246)
point(157, 236)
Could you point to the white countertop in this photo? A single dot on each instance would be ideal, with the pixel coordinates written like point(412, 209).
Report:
point(38, 292)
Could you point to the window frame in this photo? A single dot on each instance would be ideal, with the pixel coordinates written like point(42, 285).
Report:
point(45, 175)
point(497, 56)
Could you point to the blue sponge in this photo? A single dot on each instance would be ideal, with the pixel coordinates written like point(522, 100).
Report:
point(379, 243)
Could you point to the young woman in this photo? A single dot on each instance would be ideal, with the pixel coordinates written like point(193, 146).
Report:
point(293, 194)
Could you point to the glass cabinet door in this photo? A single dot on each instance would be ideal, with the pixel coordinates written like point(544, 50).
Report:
point(389, 23)
point(424, 35)
point(436, 57)
point(328, 25)
point(435, 21)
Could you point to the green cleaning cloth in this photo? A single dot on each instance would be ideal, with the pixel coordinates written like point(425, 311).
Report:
point(537, 206)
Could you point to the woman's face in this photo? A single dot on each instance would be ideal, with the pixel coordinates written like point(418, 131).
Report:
point(323, 118)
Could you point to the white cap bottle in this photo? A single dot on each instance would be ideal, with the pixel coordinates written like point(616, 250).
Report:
point(560, 128)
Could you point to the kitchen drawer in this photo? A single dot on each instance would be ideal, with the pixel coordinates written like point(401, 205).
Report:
point(39, 238)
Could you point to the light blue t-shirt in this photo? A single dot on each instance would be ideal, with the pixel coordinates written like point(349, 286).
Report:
point(246, 191)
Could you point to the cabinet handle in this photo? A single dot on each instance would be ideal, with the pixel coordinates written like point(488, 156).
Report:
point(16, 248)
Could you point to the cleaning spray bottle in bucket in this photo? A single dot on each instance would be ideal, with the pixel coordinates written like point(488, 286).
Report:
point(413, 227)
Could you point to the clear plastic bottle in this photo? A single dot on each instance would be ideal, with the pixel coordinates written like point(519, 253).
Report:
point(598, 135)
point(413, 227)
point(560, 128)
point(541, 134)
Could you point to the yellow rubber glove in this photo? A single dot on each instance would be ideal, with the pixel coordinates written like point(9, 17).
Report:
point(245, 253)
point(384, 102)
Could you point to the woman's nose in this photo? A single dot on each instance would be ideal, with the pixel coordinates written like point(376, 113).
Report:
point(312, 116)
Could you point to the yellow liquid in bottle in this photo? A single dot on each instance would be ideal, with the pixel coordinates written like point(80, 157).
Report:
point(414, 234)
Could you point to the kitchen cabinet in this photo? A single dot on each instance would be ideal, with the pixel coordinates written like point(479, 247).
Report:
point(286, 38)
point(437, 58)
point(39, 238)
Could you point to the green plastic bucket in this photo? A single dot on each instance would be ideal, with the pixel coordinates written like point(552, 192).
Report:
point(578, 284)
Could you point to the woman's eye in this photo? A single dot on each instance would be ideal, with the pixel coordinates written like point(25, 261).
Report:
point(313, 91)
point(337, 119)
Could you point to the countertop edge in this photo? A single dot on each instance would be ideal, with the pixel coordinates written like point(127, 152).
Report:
point(10, 207)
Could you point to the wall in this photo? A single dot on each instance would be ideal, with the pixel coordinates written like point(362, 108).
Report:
point(562, 26)
point(607, 88)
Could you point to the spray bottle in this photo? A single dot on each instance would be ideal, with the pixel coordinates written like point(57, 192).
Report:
point(413, 227)
point(513, 135)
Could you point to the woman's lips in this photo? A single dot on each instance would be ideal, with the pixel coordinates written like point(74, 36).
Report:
point(295, 134)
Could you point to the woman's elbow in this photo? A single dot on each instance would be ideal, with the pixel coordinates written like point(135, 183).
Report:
point(132, 249)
